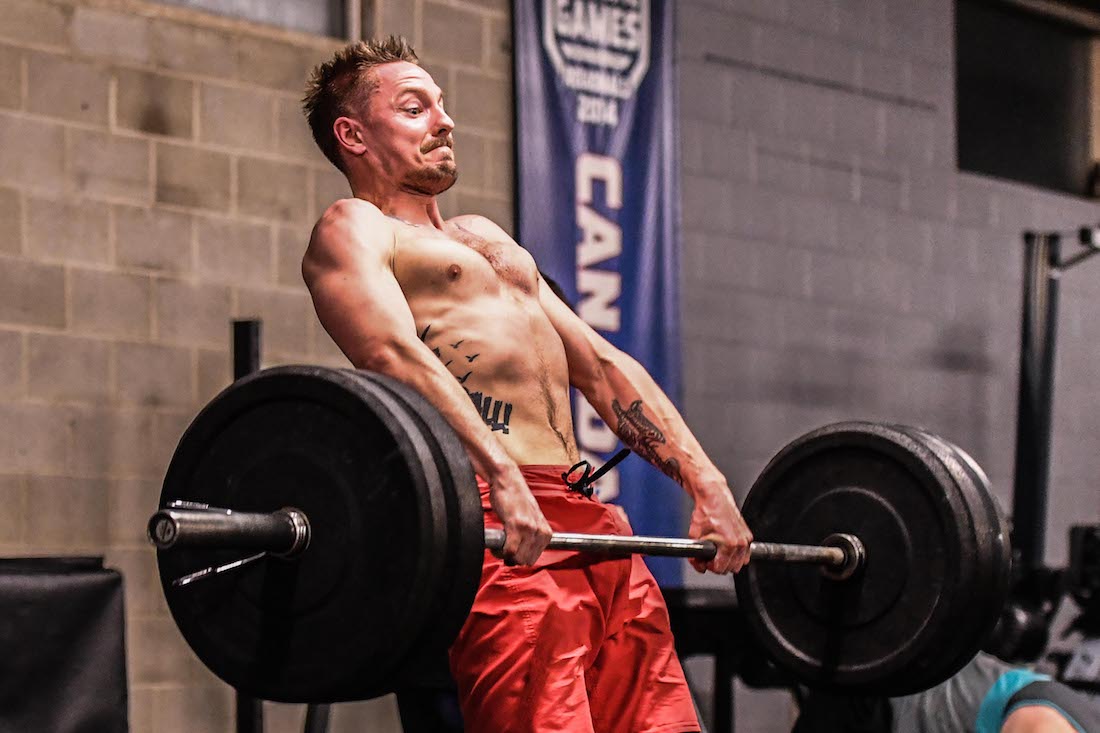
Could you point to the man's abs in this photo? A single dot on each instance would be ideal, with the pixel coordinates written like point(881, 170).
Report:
point(476, 306)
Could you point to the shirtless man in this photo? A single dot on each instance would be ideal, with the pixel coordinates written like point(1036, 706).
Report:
point(456, 309)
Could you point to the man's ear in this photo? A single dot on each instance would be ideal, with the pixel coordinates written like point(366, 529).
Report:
point(350, 135)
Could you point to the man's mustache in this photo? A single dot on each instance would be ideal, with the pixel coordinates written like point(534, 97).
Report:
point(438, 143)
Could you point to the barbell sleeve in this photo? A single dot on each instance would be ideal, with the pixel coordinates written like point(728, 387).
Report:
point(284, 532)
point(833, 556)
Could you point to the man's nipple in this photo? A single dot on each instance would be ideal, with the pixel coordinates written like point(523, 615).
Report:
point(453, 272)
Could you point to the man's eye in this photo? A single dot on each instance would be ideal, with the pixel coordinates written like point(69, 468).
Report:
point(413, 110)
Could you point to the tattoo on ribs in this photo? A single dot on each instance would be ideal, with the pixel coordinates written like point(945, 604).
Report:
point(497, 414)
point(639, 432)
point(490, 410)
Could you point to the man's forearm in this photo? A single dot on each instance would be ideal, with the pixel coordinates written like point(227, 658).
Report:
point(644, 418)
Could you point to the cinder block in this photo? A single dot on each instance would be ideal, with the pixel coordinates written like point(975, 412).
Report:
point(104, 165)
point(39, 445)
point(809, 112)
point(322, 348)
point(215, 370)
point(910, 135)
point(451, 35)
point(282, 718)
point(754, 102)
point(110, 34)
point(861, 24)
point(398, 18)
point(71, 232)
point(329, 187)
point(110, 304)
point(11, 221)
point(11, 77)
point(159, 655)
point(183, 709)
point(46, 23)
point(168, 427)
point(861, 126)
point(11, 363)
point(811, 222)
point(294, 137)
point(31, 294)
point(711, 30)
point(715, 150)
point(285, 315)
point(191, 177)
point(112, 442)
point(290, 247)
point(153, 103)
point(61, 87)
point(277, 65)
point(377, 714)
point(154, 375)
point(238, 253)
point(711, 205)
point(153, 239)
point(499, 165)
point(499, 210)
point(272, 190)
point(835, 61)
point(34, 153)
point(131, 502)
point(66, 512)
point(191, 313)
point(67, 368)
point(499, 6)
point(185, 47)
point(482, 102)
point(236, 117)
point(139, 573)
point(11, 521)
point(498, 47)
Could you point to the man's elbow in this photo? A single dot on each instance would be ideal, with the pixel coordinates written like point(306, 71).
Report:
point(388, 357)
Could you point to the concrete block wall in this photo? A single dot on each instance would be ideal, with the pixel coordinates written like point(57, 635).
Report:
point(156, 180)
point(870, 278)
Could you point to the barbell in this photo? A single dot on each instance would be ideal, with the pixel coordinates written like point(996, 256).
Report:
point(349, 514)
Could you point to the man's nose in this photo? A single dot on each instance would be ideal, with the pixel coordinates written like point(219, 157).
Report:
point(444, 124)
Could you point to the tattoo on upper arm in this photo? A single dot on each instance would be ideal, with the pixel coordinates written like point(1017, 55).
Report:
point(643, 436)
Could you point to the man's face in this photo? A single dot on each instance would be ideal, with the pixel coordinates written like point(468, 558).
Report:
point(410, 134)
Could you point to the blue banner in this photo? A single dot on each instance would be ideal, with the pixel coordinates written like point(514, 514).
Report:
point(596, 143)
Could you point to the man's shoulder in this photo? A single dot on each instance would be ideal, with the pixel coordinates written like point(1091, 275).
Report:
point(351, 221)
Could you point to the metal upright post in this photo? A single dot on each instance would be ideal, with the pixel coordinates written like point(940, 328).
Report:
point(246, 359)
point(246, 347)
point(1036, 396)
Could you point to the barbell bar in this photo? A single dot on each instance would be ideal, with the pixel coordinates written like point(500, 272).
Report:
point(286, 533)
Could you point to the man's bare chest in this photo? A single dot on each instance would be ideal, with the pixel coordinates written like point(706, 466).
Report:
point(458, 261)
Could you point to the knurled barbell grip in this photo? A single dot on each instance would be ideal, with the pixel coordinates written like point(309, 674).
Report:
point(284, 532)
point(673, 547)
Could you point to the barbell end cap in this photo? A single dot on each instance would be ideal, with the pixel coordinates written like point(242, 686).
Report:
point(855, 556)
point(302, 532)
point(163, 530)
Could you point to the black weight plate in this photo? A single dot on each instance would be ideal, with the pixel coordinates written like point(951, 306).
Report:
point(333, 623)
point(968, 613)
point(465, 538)
point(887, 488)
point(989, 585)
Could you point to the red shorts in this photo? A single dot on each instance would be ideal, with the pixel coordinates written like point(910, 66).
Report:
point(573, 644)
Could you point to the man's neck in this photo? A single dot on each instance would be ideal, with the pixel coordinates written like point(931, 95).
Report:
point(411, 208)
